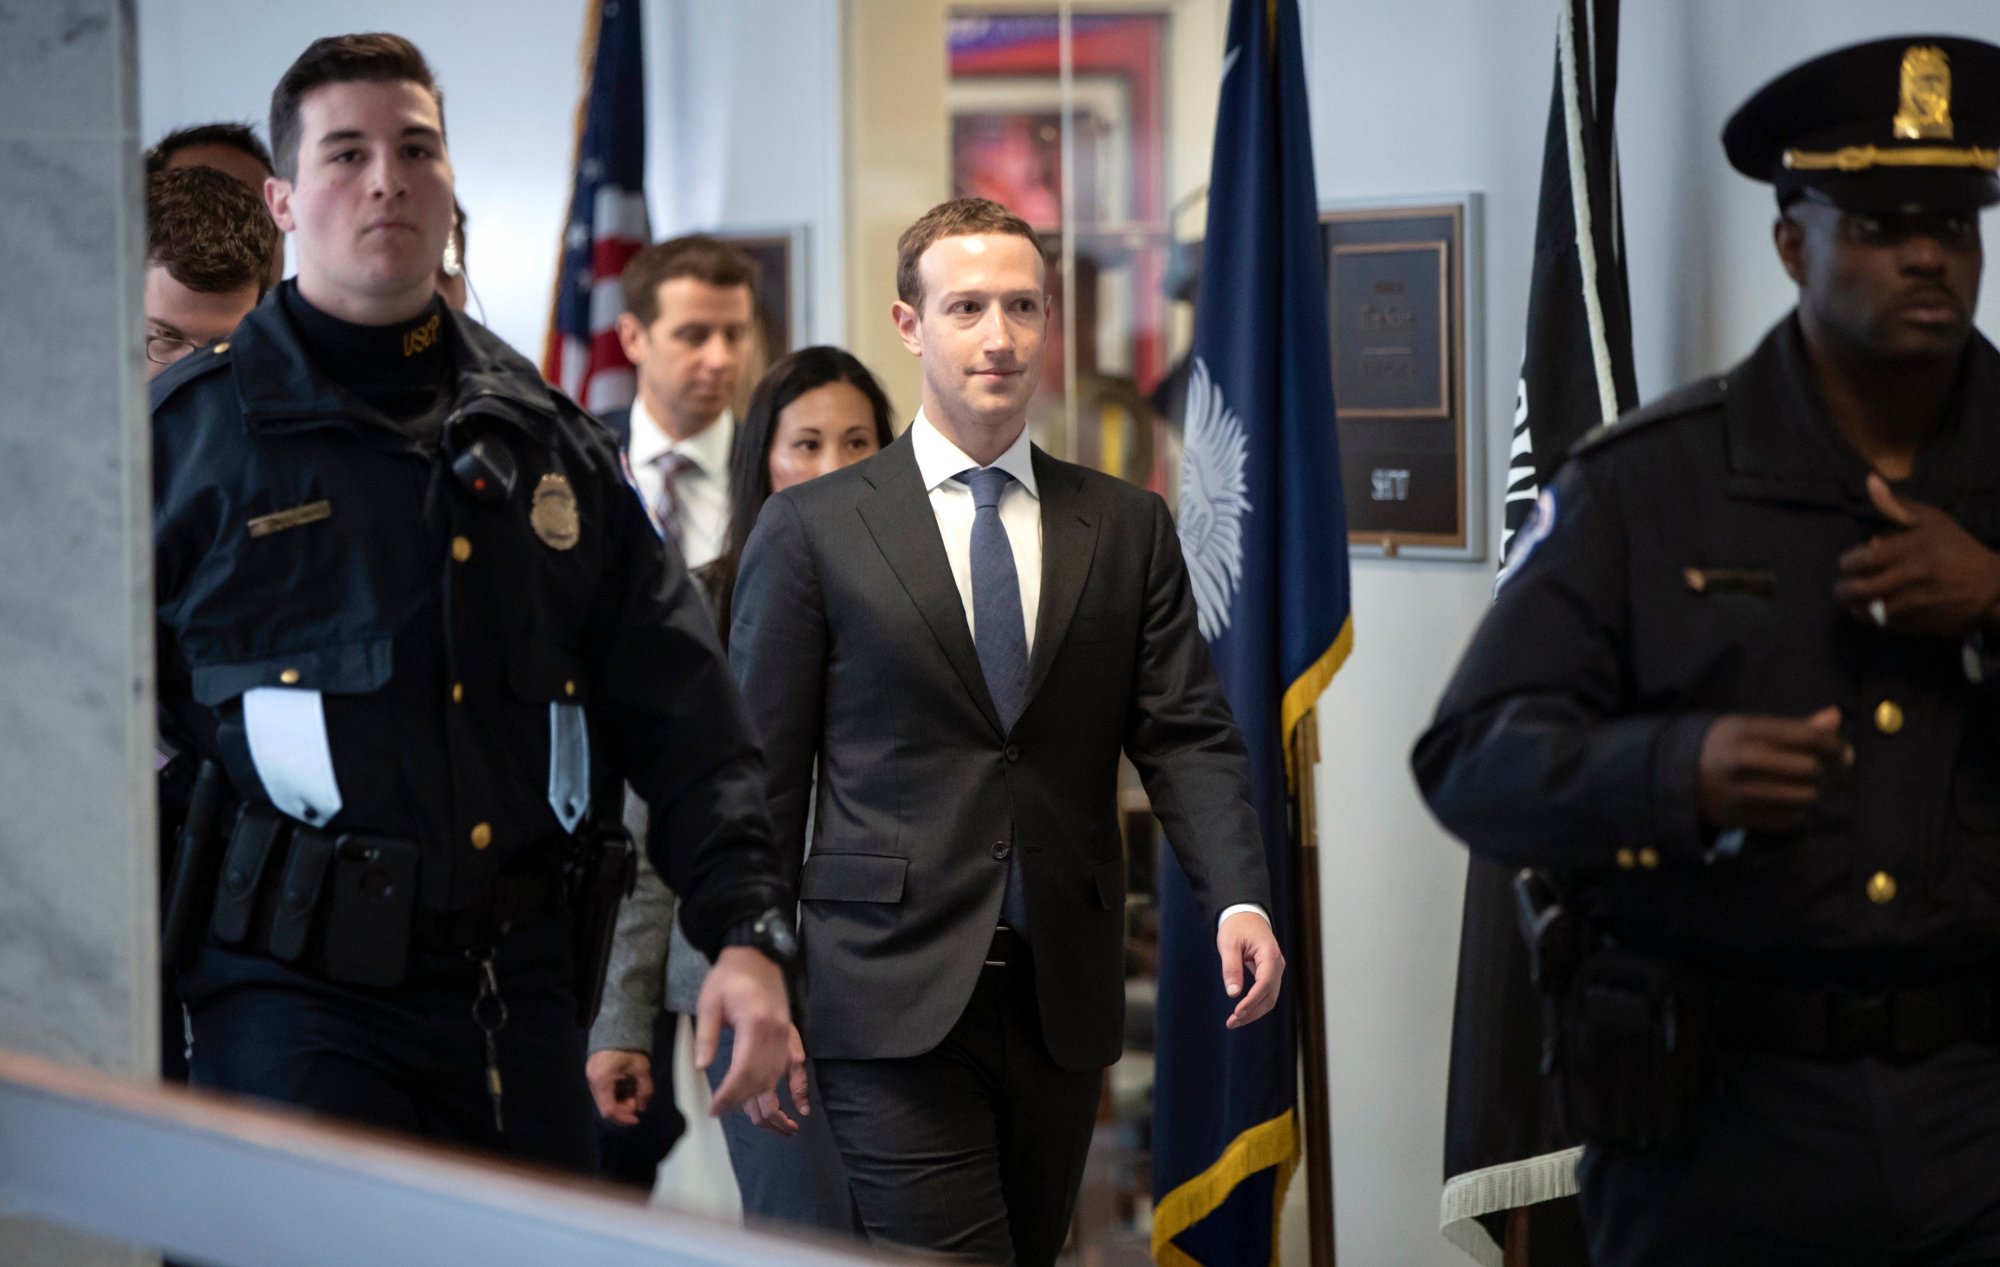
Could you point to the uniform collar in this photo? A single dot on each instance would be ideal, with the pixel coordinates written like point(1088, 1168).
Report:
point(939, 460)
point(282, 389)
point(1783, 443)
point(708, 448)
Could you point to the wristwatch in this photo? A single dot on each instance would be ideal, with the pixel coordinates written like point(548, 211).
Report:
point(770, 933)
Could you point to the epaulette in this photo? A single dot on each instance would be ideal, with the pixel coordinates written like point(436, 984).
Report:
point(194, 365)
point(1695, 397)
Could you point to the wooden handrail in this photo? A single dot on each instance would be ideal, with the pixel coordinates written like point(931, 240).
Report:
point(241, 1184)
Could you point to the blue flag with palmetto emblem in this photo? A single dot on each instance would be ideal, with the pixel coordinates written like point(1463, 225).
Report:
point(1264, 530)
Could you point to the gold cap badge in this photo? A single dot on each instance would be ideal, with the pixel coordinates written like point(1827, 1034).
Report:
point(1924, 112)
point(554, 517)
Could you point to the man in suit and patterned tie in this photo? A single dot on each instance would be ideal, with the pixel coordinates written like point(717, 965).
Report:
point(686, 328)
point(964, 633)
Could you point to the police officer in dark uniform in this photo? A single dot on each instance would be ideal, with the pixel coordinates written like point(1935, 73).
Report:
point(422, 631)
point(1737, 707)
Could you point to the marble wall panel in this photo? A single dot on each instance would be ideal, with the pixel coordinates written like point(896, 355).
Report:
point(78, 968)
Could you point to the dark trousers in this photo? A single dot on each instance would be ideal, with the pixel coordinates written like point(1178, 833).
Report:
point(796, 1179)
point(976, 1148)
point(1804, 1162)
point(411, 1059)
point(631, 1155)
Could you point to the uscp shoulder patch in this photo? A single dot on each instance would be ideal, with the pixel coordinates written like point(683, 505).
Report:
point(553, 515)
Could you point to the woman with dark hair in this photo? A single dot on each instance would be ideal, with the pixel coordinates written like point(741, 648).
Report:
point(814, 412)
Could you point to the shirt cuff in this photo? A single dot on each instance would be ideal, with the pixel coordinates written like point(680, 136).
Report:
point(1252, 907)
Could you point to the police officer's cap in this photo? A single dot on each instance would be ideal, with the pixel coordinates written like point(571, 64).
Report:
point(1906, 124)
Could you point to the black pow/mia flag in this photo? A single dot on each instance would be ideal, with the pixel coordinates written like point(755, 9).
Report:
point(1576, 371)
point(1510, 1172)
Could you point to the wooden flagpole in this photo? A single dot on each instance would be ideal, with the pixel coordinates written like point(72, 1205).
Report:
point(1307, 970)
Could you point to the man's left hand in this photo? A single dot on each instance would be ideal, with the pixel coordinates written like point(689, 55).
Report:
point(1245, 940)
point(1930, 577)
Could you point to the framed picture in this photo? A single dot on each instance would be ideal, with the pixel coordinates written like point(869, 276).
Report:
point(781, 278)
point(1401, 298)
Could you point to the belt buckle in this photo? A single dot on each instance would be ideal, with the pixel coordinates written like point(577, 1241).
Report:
point(1859, 1024)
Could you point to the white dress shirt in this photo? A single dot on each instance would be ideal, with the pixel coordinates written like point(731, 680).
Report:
point(939, 462)
point(703, 489)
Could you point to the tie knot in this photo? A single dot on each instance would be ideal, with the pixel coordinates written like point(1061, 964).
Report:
point(986, 483)
point(671, 463)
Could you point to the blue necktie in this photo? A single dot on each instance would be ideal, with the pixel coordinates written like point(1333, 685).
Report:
point(1000, 633)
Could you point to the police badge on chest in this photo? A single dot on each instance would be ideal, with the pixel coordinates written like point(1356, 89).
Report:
point(487, 468)
point(553, 514)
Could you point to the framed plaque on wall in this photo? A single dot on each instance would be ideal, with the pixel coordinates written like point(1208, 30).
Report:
point(1402, 299)
point(781, 283)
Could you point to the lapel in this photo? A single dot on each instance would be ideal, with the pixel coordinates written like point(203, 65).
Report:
point(1069, 539)
point(899, 517)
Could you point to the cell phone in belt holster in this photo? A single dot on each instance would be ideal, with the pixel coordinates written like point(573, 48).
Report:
point(369, 910)
point(606, 871)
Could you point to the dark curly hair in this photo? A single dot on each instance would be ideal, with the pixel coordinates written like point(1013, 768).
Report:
point(208, 230)
point(237, 136)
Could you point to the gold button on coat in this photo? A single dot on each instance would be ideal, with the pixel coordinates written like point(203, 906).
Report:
point(1888, 717)
point(461, 548)
point(1649, 857)
point(458, 692)
point(289, 676)
point(569, 688)
point(1627, 860)
point(1881, 888)
point(482, 836)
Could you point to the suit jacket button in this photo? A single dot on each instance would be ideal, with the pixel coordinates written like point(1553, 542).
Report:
point(1013, 753)
point(1000, 850)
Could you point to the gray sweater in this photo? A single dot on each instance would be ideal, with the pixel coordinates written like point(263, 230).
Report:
point(652, 963)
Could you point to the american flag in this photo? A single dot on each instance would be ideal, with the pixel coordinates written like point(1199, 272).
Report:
point(607, 214)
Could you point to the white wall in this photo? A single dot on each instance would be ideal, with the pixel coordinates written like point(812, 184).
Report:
point(758, 80)
point(746, 112)
point(1427, 96)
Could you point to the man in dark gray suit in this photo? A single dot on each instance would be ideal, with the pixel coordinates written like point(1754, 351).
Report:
point(965, 632)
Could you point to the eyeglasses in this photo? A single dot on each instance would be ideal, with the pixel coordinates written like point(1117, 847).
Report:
point(164, 349)
point(1953, 233)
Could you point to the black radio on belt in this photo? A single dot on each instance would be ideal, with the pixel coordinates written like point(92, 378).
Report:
point(369, 911)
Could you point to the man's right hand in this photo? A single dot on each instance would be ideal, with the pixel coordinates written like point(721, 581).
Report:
point(605, 1070)
point(1764, 773)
